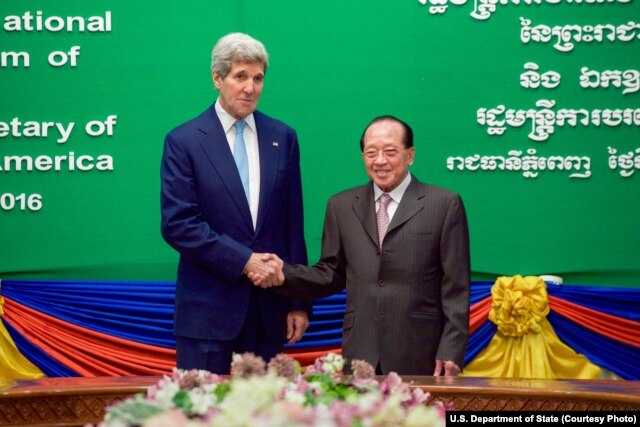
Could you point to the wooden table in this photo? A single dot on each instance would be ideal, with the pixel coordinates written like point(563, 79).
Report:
point(77, 401)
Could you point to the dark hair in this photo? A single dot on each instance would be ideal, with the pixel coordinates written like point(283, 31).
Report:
point(407, 139)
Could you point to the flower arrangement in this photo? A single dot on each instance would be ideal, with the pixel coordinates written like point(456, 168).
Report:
point(277, 395)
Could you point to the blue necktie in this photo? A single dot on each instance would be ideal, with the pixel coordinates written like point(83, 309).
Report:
point(240, 156)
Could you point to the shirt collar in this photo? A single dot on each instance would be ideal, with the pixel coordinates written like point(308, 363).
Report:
point(397, 193)
point(227, 120)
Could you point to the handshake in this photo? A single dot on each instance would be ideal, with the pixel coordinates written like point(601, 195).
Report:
point(264, 270)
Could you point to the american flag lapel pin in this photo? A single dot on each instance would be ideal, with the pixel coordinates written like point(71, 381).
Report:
point(274, 143)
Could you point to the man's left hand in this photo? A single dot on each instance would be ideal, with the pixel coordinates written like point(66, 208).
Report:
point(297, 323)
point(446, 368)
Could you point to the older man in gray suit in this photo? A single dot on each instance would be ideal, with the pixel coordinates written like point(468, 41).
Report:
point(401, 249)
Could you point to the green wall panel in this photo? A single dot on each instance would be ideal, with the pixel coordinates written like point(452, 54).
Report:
point(334, 66)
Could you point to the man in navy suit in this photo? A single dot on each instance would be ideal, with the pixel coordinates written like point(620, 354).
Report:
point(221, 215)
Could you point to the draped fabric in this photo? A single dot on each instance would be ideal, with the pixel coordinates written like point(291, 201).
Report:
point(95, 328)
point(525, 345)
point(14, 364)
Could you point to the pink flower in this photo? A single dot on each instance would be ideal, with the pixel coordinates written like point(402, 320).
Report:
point(392, 384)
point(362, 370)
point(172, 418)
point(247, 364)
point(285, 366)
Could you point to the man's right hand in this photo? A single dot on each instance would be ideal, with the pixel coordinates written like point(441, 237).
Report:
point(264, 270)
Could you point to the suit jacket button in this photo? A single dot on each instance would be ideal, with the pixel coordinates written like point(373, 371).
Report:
point(380, 283)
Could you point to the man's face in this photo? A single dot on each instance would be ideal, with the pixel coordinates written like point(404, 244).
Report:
point(241, 88)
point(385, 158)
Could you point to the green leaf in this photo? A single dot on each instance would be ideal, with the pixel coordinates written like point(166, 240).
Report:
point(132, 412)
point(182, 400)
point(221, 391)
point(309, 398)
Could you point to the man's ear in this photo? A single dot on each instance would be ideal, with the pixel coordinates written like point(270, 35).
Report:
point(217, 80)
point(412, 155)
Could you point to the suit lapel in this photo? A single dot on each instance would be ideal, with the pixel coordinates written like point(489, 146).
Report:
point(214, 143)
point(410, 204)
point(269, 156)
point(365, 209)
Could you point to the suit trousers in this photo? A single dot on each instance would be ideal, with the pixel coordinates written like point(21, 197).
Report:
point(215, 355)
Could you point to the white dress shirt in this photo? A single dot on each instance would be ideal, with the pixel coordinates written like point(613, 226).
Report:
point(396, 196)
point(250, 136)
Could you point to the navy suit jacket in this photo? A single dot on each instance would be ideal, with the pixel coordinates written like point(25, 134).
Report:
point(206, 218)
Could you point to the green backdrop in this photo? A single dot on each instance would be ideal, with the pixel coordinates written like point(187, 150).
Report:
point(335, 64)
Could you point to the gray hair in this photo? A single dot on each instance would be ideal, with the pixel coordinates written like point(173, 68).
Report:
point(237, 47)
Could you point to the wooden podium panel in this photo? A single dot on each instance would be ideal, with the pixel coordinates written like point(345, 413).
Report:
point(506, 394)
point(64, 401)
point(77, 401)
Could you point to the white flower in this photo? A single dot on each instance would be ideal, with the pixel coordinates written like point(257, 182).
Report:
point(164, 395)
point(254, 393)
point(390, 413)
point(293, 395)
point(333, 364)
point(201, 401)
point(423, 415)
point(365, 402)
point(209, 388)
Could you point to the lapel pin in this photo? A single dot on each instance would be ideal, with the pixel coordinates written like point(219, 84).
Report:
point(274, 143)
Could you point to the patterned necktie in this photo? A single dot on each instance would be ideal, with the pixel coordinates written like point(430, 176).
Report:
point(240, 156)
point(382, 216)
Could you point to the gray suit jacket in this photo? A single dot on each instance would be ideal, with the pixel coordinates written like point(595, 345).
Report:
point(407, 304)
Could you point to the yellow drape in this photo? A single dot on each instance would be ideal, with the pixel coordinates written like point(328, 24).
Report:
point(13, 365)
point(525, 345)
